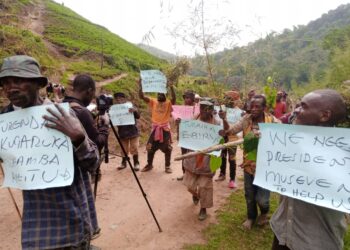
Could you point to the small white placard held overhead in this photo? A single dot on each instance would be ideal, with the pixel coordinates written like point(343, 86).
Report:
point(120, 115)
point(306, 163)
point(153, 81)
point(34, 156)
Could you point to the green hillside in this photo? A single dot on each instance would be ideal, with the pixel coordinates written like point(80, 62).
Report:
point(293, 58)
point(68, 43)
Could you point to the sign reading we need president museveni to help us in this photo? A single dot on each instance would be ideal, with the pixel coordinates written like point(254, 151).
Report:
point(306, 163)
point(34, 156)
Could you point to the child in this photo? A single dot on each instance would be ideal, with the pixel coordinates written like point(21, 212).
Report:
point(231, 100)
point(129, 135)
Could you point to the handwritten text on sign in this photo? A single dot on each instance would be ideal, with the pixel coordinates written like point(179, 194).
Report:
point(183, 112)
point(197, 135)
point(34, 157)
point(306, 163)
point(233, 114)
point(120, 115)
point(153, 81)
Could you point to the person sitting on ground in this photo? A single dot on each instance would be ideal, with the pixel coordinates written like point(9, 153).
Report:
point(129, 135)
point(198, 177)
point(231, 100)
point(160, 137)
point(188, 97)
point(298, 224)
point(254, 195)
point(53, 218)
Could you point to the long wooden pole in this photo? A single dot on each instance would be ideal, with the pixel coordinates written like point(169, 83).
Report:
point(208, 150)
point(12, 197)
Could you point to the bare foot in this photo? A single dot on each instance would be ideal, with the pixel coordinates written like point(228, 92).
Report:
point(262, 220)
point(248, 224)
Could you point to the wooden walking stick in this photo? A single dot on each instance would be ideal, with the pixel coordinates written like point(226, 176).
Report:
point(12, 197)
point(208, 150)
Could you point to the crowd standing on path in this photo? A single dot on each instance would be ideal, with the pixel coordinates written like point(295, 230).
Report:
point(65, 217)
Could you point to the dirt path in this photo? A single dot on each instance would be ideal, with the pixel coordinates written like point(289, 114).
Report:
point(123, 214)
point(34, 22)
point(100, 84)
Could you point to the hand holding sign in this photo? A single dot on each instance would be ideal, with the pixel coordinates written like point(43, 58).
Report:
point(306, 163)
point(222, 114)
point(35, 156)
point(120, 114)
point(65, 123)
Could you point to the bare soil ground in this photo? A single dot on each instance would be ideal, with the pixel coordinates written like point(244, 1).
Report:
point(123, 214)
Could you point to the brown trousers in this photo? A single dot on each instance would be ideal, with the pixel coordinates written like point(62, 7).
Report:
point(200, 186)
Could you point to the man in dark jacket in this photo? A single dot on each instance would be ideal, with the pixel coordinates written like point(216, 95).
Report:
point(84, 89)
point(53, 218)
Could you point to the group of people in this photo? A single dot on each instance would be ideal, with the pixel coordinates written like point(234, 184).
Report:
point(65, 217)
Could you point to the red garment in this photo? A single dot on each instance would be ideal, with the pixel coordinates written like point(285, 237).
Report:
point(158, 130)
point(280, 109)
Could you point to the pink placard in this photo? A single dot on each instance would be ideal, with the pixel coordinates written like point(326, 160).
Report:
point(183, 112)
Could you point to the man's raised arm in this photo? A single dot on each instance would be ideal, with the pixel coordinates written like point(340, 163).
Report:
point(141, 95)
point(172, 93)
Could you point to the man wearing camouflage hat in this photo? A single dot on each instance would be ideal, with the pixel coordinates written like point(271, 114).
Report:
point(53, 218)
point(198, 176)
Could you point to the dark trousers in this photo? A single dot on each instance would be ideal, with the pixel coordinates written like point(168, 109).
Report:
point(183, 151)
point(85, 245)
point(165, 147)
point(232, 164)
point(255, 197)
point(277, 246)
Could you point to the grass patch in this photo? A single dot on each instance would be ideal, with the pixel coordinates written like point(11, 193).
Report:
point(78, 37)
point(91, 68)
point(228, 233)
point(16, 41)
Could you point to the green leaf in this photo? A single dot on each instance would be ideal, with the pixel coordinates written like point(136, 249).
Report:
point(250, 142)
point(252, 155)
point(222, 140)
point(215, 163)
point(250, 146)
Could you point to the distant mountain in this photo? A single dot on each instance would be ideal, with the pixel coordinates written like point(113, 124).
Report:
point(294, 57)
point(157, 52)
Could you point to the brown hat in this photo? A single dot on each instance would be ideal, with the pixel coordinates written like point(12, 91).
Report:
point(233, 94)
point(23, 67)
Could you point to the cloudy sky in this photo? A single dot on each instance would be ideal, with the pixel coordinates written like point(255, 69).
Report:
point(136, 19)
